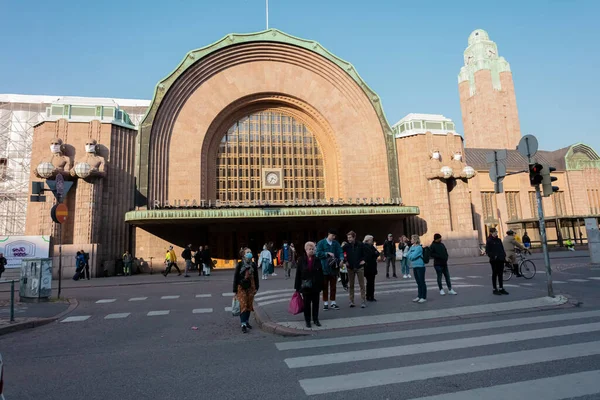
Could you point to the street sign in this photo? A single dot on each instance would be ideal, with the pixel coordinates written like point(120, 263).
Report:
point(59, 213)
point(528, 147)
point(496, 155)
point(497, 171)
point(67, 185)
point(60, 185)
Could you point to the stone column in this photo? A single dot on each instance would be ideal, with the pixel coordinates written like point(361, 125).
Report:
point(88, 212)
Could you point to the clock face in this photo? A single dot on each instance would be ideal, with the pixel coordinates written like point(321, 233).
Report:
point(272, 178)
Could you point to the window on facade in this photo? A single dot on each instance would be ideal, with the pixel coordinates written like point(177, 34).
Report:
point(533, 204)
point(488, 202)
point(402, 128)
point(433, 125)
point(269, 140)
point(513, 205)
point(450, 126)
point(594, 201)
point(417, 125)
point(559, 204)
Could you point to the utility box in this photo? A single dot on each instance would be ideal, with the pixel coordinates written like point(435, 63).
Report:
point(36, 280)
point(593, 235)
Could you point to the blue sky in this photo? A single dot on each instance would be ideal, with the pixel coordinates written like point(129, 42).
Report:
point(409, 52)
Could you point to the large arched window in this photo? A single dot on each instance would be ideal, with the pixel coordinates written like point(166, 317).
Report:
point(269, 156)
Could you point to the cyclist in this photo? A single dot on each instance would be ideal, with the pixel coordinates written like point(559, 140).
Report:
point(510, 247)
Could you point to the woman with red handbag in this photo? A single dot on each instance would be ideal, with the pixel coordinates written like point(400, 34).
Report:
point(309, 282)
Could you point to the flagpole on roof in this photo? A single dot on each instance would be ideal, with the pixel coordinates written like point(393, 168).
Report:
point(267, 14)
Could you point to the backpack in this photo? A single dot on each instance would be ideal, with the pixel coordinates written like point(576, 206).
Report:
point(186, 254)
point(426, 254)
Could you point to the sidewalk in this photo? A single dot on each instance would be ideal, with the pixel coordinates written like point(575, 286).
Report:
point(31, 315)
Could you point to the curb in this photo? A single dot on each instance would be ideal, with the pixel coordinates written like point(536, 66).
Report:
point(266, 324)
point(73, 303)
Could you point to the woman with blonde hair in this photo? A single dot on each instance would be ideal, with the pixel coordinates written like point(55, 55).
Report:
point(415, 258)
point(245, 286)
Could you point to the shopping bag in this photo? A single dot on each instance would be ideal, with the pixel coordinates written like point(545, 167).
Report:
point(235, 307)
point(296, 304)
point(399, 255)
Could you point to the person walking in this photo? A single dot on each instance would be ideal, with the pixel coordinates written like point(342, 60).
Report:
point(127, 263)
point(85, 272)
point(439, 253)
point(294, 256)
point(355, 259)
point(264, 261)
point(510, 247)
point(285, 257)
point(330, 253)
point(171, 261)
point(198, 260)
point(495, 251)
point(371, 255)
point(3, 264)
point(207, 260)
point(271, 247)
point(415, 258)
point(404, 245)
point(344, 271)
point(527, 242)
point(187, 256)
point(389, 253)
point(245, 286)
point(309, 282)
point(79, 266)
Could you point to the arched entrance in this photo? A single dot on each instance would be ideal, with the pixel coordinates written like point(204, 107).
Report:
point(269, 156)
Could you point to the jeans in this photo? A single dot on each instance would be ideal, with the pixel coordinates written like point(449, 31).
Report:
point(265, 268)
point(311, 303)
point(287, 268)
point(388, 261)
point(329, 285)
point(245, 317)
point(419, 273)
point(497, 271)
point(405, 268)
point(127, 268)
point(439, 270)
point(370, 286)
point(360, 273)
point(188, 266)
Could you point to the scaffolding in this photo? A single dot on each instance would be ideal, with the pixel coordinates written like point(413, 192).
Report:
point(18, 115)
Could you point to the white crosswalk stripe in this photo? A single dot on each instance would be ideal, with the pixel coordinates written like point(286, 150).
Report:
point(169, 297)
point(202, 310)
point(160, 312)
point(578, 280)
point(138, 299)
point(79, 318)
point(117, 315)
point(536, 339)
point(203, 295)
point(596, 278)
point(104, 301)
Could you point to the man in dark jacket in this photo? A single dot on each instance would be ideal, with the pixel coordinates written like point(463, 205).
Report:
point(3, 263)
point(85, 268)
point(187, 256)
point(495, 251)
point(389, 252)
point(440, 263)
point(207, 260)
point(355, 258)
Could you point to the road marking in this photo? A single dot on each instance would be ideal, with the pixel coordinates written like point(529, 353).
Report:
point(117, 315)
point(412, 289)
point(138, 298)
point(507, 285)
point(202, 310)
point(162, 312)
point(270, 292)
point(444, 345)
point(429, 314)
point(103, 301)
point(555, 388)
point(558, 282)
point(169, 297)
point(526, 284)
point(228, 309)
point(578, 280)
point(228, 294)
point(76, 319)
point(339, 383)
point(596, 278)
point(204, 295)
point(474, 276)
point(377, 337)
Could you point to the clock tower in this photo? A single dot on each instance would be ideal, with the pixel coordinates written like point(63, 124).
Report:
point(487, 96)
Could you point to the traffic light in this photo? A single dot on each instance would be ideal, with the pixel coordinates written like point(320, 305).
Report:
point(547, 180)
point(535, 174)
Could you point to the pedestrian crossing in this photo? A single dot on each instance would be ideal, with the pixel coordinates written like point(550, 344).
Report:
point(82, 318)
point(419, 358)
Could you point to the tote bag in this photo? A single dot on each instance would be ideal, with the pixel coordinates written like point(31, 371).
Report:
point(296, 304)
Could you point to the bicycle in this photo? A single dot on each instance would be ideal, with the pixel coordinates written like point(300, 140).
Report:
point(526, 267)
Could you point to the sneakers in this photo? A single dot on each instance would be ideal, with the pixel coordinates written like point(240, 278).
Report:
point(497, 292)
point(502, 291)
point(352, 305)
point(422, 301)
point(335, 306)
point(416, 299)
point(442, 292)
point(273, 274)
point(405, 276)
point(325, 308)
point(409, 276)
point(451, 291)
point(244, 329)
point(363, 305)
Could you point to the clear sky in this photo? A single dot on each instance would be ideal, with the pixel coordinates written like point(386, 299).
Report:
point(409, 52)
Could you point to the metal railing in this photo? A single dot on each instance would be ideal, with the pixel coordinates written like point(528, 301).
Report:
point(12, 298)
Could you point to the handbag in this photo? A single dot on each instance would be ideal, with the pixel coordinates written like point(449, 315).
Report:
point(306, 284)
point(399, 255)
point(296, 304)
point(235, 307)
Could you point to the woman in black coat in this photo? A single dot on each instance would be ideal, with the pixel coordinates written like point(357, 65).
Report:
point(371, 255)
point(495, 251)
point(309, 282)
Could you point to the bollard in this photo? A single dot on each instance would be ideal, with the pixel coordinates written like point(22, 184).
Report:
point(12, 301)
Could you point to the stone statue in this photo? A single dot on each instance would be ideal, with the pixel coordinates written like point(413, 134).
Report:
point(57, 163)
point(460, 168)
point(92, 165)
point(434, 166)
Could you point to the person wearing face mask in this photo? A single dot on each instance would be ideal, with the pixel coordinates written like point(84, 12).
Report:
point(264, 261)
point(495, 251)
point(284, 257)
point(61, 164)
point(95, 164)
point(245, 286)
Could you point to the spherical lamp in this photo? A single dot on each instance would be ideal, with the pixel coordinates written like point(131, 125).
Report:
point(446, 172)
point(45, 170)
point(469, 172)
point(83, 170)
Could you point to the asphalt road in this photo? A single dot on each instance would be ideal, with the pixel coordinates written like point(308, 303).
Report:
point(133, 355)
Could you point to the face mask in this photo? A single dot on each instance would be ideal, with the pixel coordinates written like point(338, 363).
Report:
point(90, 148)
point(248, 256)
point(285, 245)
point(55, 148)
point(458, 157)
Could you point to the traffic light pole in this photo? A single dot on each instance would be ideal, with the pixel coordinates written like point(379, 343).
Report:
point(538, 195)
